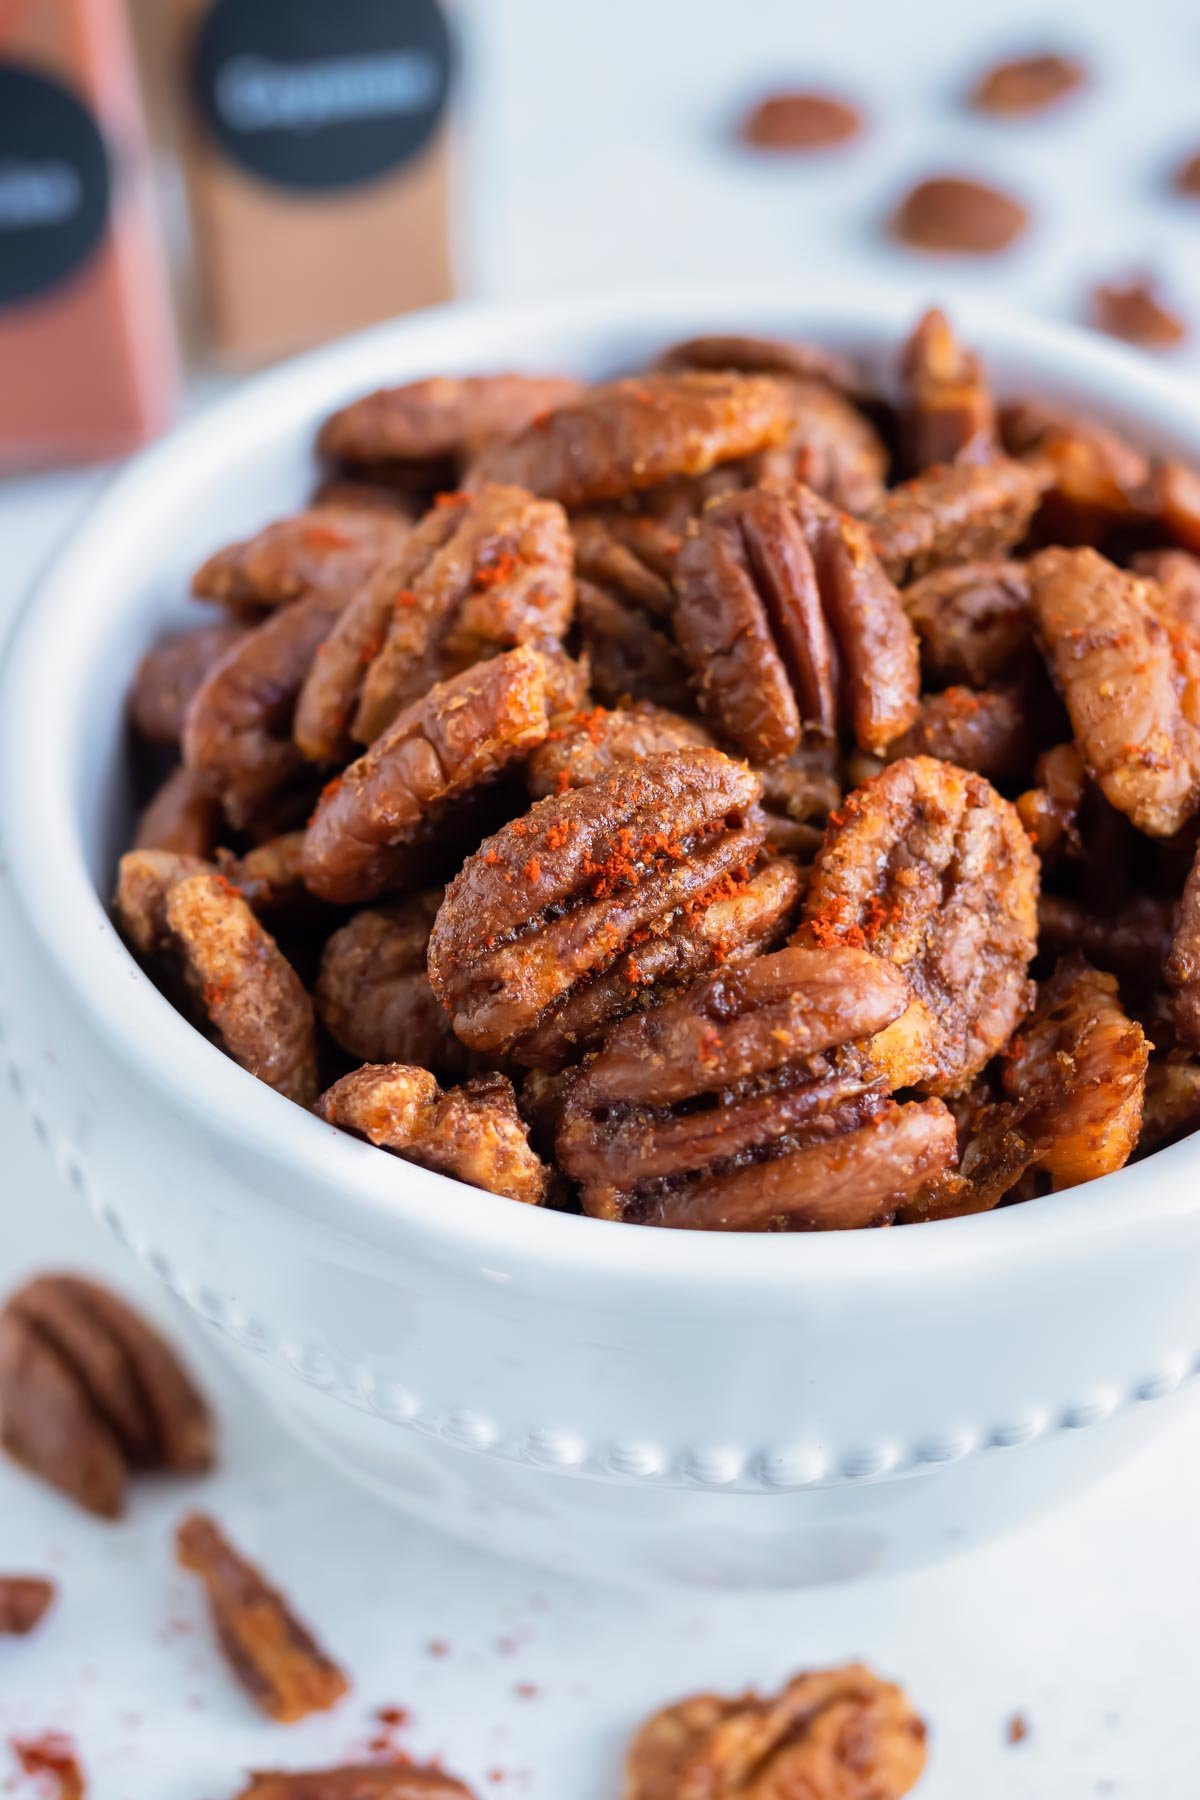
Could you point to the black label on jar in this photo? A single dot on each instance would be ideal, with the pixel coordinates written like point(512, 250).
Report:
point(321, 94)
point(55, 184)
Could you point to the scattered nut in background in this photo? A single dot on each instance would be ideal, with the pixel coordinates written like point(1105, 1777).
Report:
point(953, 214)
point(801, 121)
point(1027, 84)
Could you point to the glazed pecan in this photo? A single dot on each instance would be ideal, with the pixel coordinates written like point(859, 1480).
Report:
point(277, 1661)
point(444, 419)
point(974, 622)
point(473, 1133)
point(1172, 1101)
point(798, 794)
point(963, 513)
point(947, 412)
point(995, 1160)
point(1131, 682)
point(1176, 574)
point(270, 876)
point(377, 822)
point(797, 122)
point(1132, 942)
point(831, 447)
point(1050, 812)
point(760, 1096)
point(24, 1602)
point(762, 356)
point(1183, 962)
point(1133, 310)
point(89, 1392)
point(996, 732)
point(373, 994)
point(634, 434)
point(181, 816)
point(583, 745)
point(172, 673)
point(553, 899)
point(481, 573)
point(356, 1781)
point(626, 564)
point(198, 935)
point(930, 868)
point(786, 620)
point(836, 1734)
point(327, 550)
point(237, 737)
point(1028, 83)
point(952, 214)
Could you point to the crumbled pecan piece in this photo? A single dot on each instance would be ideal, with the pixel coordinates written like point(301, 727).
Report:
point(836, 1734)
point(762, 356)
point(1050, 812)
point(973, 621)
point(53, 1762)
point(554, 898)
point(237, 736)
point(436, 757)
point(373, 994)
point(760, 1096)
point(1129, 678)
point(196, 932)
point(1187, 176)
point(473, 1133)
point(24, 1602)
point(1133, 311)
point(171, 674)
point(634, 434)
point(277, 1661)
point(356, 1781)
point(327, 550)
point(994, 731)
point(929, 867)
point(1028, 84)
point(587, 744)
point(787, 619)
point(961, 514)
point(953, 215)
point(995, 1158)
point(89, 1391)
point(800, 121)
point(479, 575)
point(948, 410)
point(270, 875)
point(446, 418)
point(1183, 962)
point(181, 816)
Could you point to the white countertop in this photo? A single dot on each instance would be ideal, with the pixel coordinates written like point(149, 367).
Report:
point(1084, 1623)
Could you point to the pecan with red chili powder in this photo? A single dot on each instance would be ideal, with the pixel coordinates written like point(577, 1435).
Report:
point(356, 1781)
point(973, 621)
point(947, 410)
point(327, 550)
point(445, 419)
point(586, 744)
point(996, 732)
point(373, 994)
point(955, 515)
point(1172, 1103)
point(24, 1602)
point(836, 1734)
point(787, 620)
point(89, 1392)
point(181, 816)
point(626, 565)
point(1183, 963)
point(171, 674)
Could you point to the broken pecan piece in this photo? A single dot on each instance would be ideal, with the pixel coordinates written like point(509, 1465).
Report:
point(996, 732)
point(473, 1133)
point(974, 622)
point(948, 412)
point(356, 1781)
point(927, 866)
point(963, 513)
point(760, 1095)
point(439, 420)
point(553, 899)
point(24, 1602)
point(634, 434)
point(172, 673)
point(89, 1391)
point(1172, 1102)
point(836, 1734)
point(278, 1662)
point(327, 550)
point(786, 620)
point(401, 796)
point(1131, 683)
point(373, 994)
point(195, 931)
point(762, 356)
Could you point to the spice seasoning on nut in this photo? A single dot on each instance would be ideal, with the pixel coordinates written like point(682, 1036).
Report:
point(958, 216)
point(799, 121)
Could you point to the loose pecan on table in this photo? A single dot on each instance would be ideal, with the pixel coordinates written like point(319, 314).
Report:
point(89, 1393)
point(837, 1734)
point(1028, 84)
point(24, 1602)
point(276, 1659)
point(800, 121)
point(356, 1781)
point(955, 215)
point(1135, 312)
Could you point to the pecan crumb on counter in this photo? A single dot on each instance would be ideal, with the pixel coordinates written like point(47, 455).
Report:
point(1134, 311)
point(800, 120)
point(24, 1602)
point(53, 1762)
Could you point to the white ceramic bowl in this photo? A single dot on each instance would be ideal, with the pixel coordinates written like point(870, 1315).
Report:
point(629, 1402)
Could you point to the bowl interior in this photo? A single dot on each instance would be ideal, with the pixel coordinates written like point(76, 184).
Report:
point(122, 579)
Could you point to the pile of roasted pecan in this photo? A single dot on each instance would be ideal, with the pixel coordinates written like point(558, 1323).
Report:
point(721, 797)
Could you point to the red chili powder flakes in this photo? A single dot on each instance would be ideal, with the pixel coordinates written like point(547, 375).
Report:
point(557, 835)
point(370, 649)
point(405, 597)
point(532, 870)
point(592, 723)
point(52, 1762)
point(457, 498)
point(1017, 1729)
point(216, 991)
point(331, 788)
point(495, 567)
point(324, 537)
point(519, 828)
point(634, 975)
point(491, 857)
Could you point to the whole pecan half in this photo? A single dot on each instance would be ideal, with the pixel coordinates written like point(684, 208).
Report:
point(929, 867)
point(200, 938)
point(762, 356)
point(328, 550)
point(760, 1096)
point(481, 573)
point(442, 419)
point(172, 673)
point(373, 994)
point(974, 622)
point(963, 513)
point(181, 816)
point(996, 732)
point(947, 411)
point(835, 1734)
point(786, 619)
point(473, 1133)
point(356, 1781)
point(625, 563)
point(400, 798)
point(553, 899)
point(89, 1392)
point(24, 1602)
point(275, 1658)
point(634, 434)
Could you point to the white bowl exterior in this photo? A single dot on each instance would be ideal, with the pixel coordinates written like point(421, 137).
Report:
point(598, 1396)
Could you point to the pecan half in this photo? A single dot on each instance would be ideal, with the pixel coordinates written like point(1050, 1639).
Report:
point(327, 550)
point(356, 1781)
point(1177, 576)
point(553, 899)
point(237, 736)
point(626, 564)
point(995, 732)
point(89, 1391)
point(270, 875)
point(181, 816)
point(172, 673)
point(1172, 1102)
point(1050, 812)
point(762, 356)
point(634, 434)
point(947, 410)
point(1131, 683)
point(1028, 84)
point(1132, 942)
point(760, 1096)
point(24, 1602)
point(954, 215)
point(587, 744)
point(930, 868)
point(831, 447)
point(786, 619)
point(445, 418)
point(481, 573)
point(836, 1734)
point(963, 513)
point(195, 931)
point(974, 622)
point(401, 796)
point(373, 994)
point(1134, 311)
point(473, 1133)
point(275, 1658)
point(798, 122)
